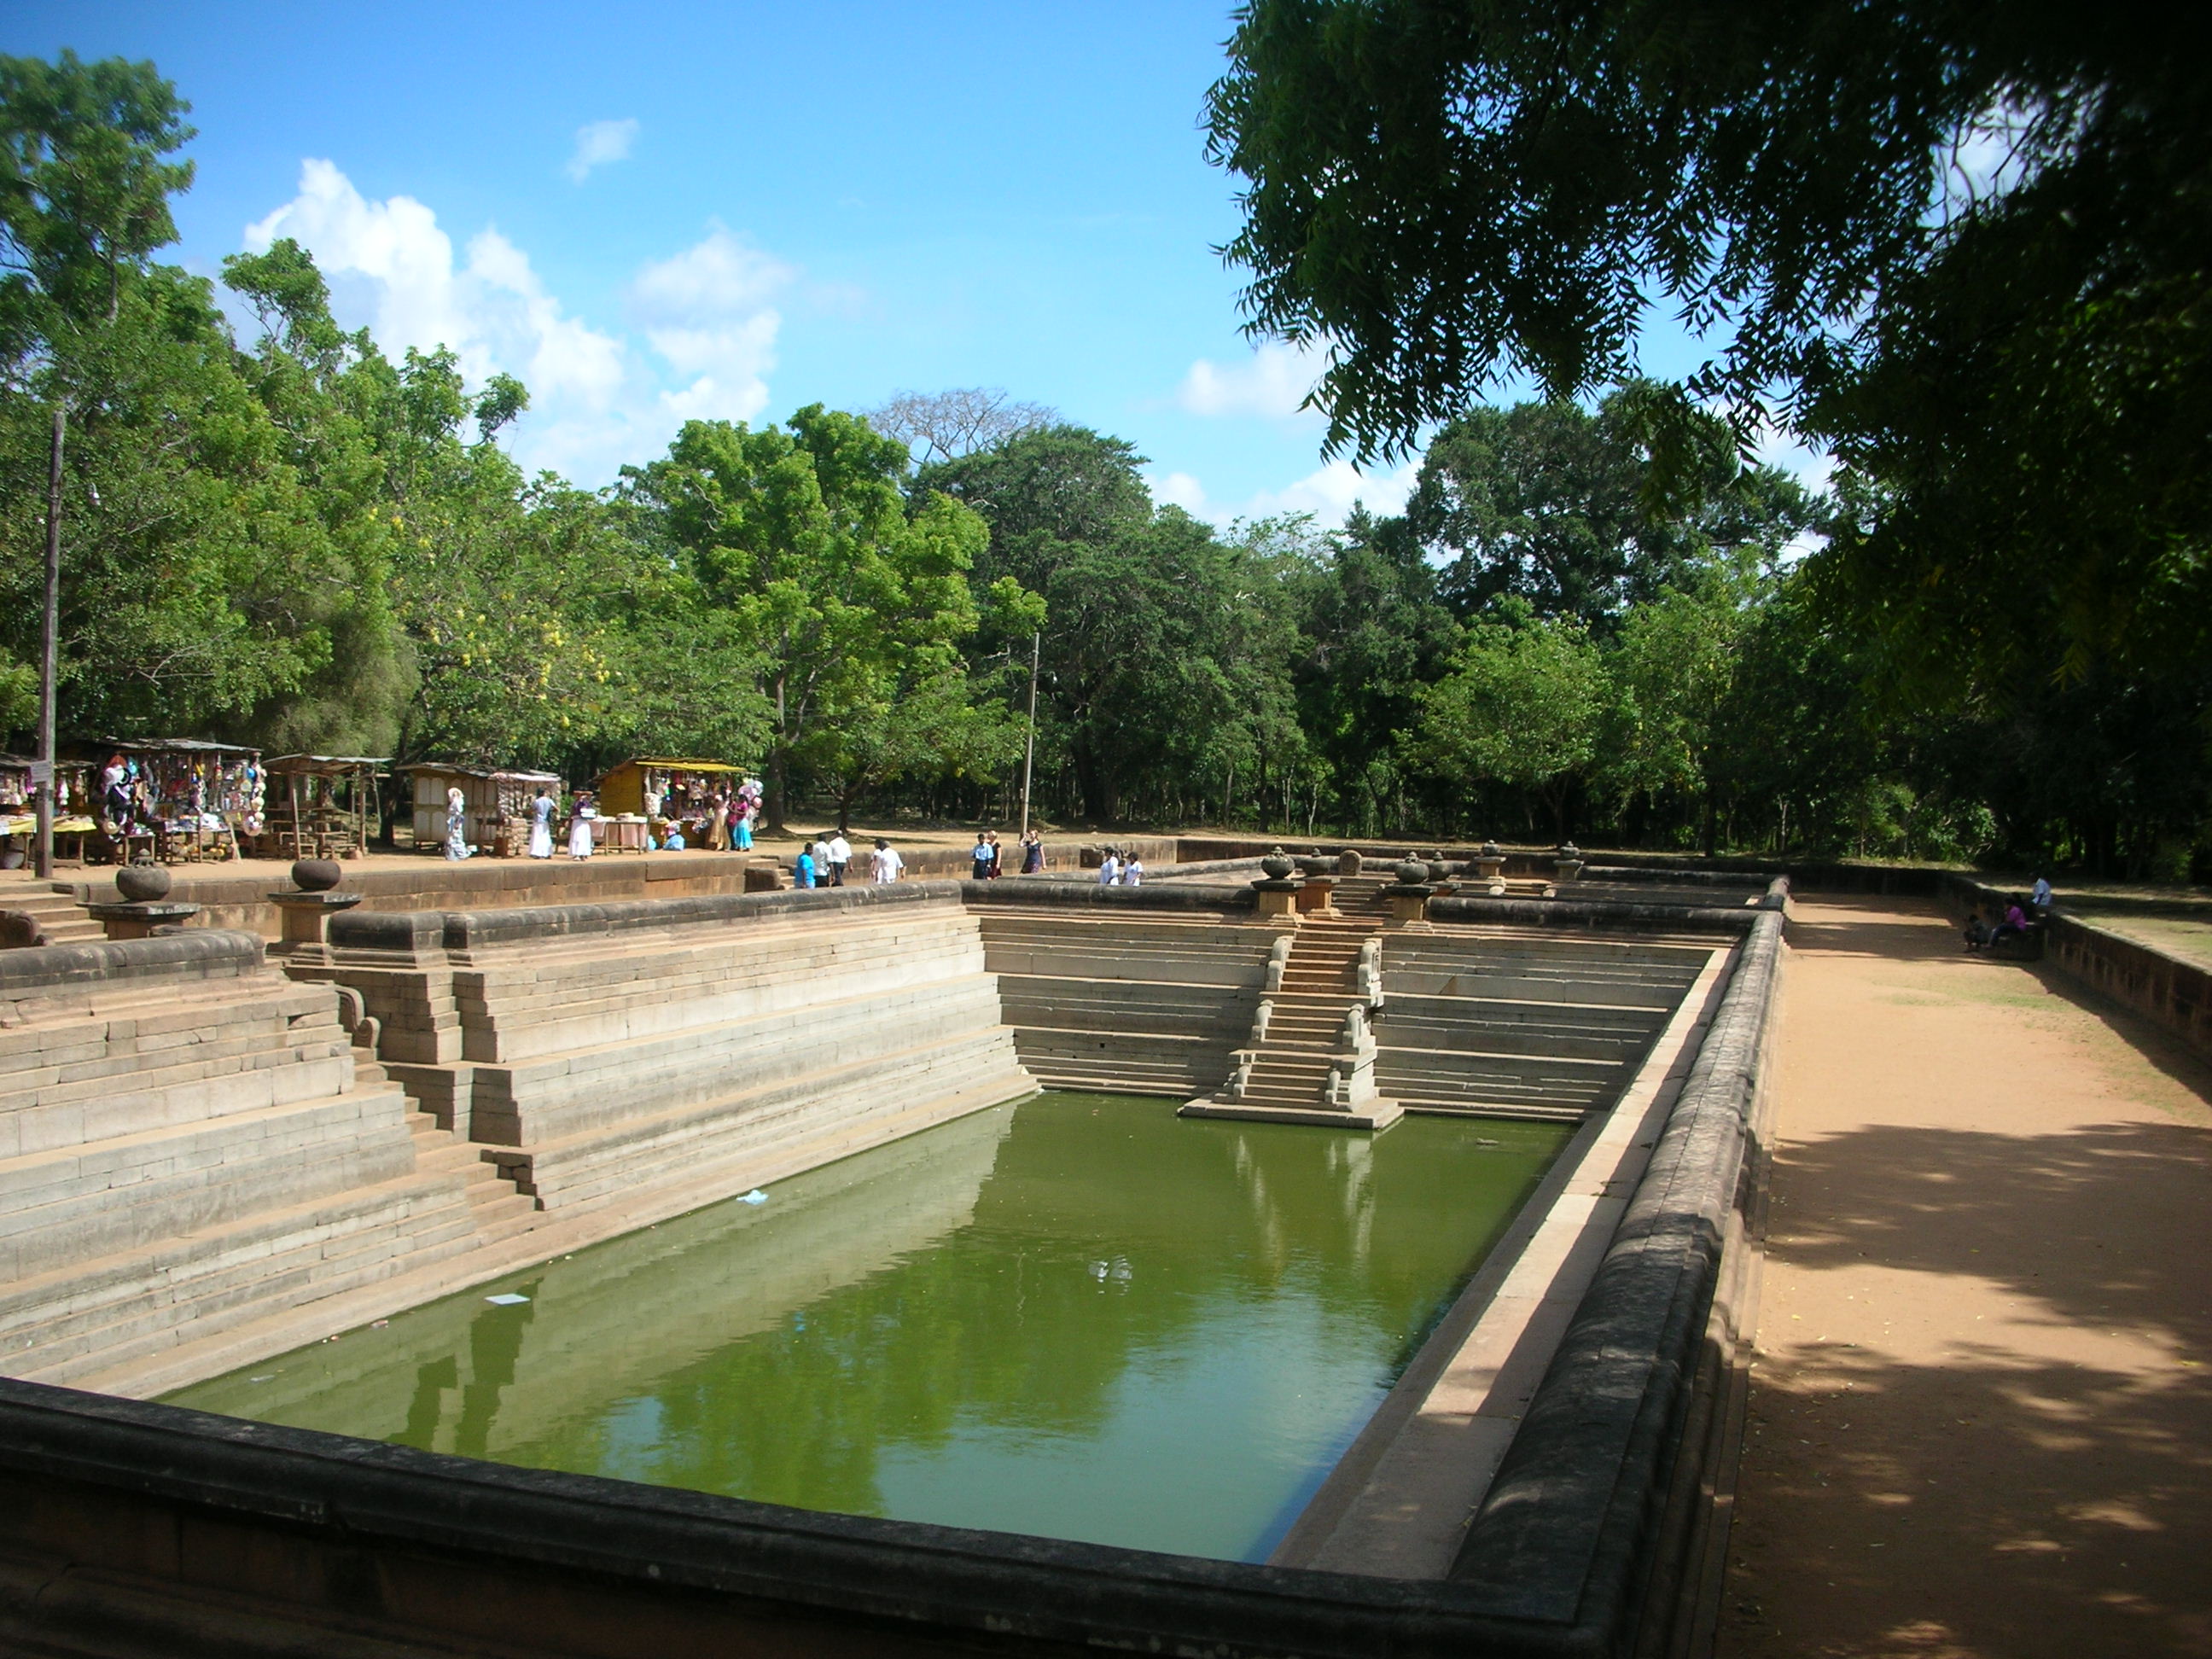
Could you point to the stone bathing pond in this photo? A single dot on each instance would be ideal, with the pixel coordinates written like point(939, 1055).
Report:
point(1079, 1317)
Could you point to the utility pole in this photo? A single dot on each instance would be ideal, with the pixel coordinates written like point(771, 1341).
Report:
point(1029, 749)
point(50, 652)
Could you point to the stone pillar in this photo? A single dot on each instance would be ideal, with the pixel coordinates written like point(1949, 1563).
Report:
point(1488, 867)
point(306, 912)
point(142, 907)
point(1409, 894)
point(1318, 897)
point(1276, 890)
point(140, 921)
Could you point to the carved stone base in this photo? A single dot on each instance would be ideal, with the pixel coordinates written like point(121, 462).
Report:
point(1374, 1114)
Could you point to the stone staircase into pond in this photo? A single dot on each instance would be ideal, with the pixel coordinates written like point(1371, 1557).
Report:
point(189, 1143)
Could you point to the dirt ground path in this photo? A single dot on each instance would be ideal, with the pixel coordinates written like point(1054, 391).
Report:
point(1981, 1409)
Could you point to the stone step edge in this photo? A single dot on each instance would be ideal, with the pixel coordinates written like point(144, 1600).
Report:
point(555, 1233)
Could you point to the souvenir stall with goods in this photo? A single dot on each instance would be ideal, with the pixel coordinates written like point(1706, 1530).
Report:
point(496, 818)
point(19, 811)
point(324, 804)
point(178, 798)
point(654, 792)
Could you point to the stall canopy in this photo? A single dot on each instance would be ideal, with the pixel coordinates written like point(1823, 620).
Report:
point(677, 785)
point(326, 803)
point(495, 797)
point(190, 798)
point(19, 816)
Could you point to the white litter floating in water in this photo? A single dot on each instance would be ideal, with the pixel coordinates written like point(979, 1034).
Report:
point(755, 1196)
point(264, 1377)
point(506, 1301)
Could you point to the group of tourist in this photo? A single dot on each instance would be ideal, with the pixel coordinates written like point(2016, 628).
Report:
point(724, 817)
point(1120, 867)
point(2020, 913)
point(987, 859)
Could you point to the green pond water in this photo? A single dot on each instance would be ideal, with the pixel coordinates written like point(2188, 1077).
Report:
point(1079, 1317)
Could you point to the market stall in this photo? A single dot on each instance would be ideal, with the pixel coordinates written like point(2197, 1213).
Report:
point(19, 811)
point(496, 816)
point(324, 804)
point(651, 792)
point(180, 799)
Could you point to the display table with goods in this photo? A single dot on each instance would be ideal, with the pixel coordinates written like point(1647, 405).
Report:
point(184, 799)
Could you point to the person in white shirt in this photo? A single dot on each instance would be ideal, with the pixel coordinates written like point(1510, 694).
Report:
point(1109, 869)
point(821, 851)
point(885, 862)
point(1132, 873)
point(2039, 898)
point(841, 855)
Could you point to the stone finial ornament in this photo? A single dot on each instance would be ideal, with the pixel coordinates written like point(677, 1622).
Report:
point(143, 883)
point(316, 875)
point(1278, 865)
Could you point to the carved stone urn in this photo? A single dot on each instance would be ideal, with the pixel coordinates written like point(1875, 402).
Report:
point(1567, 863)
point(143, 883)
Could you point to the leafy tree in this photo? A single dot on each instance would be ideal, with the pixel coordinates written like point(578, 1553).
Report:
point(1965, 244)
point(1523, 705)
point(803, 536)
point(1375, 634)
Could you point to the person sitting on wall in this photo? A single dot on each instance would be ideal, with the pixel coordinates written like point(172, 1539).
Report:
point(2014, 925)
point(2038, 898)
point(1977, 935)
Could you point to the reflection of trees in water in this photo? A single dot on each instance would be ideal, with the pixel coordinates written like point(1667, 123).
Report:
point(1005, 1324)
point(978, 1276)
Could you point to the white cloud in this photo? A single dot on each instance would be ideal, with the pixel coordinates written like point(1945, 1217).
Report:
point(597, 399)
point(1329, 494)
point(707, 311)
point(1273, 382)
point(599, 143)
point(391, 260)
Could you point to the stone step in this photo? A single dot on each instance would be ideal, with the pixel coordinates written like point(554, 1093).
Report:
point(105, 1310)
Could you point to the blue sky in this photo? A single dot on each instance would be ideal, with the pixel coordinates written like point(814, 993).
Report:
point(736, 209)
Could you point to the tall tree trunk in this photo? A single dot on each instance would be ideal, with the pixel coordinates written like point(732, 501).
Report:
point(50, 651)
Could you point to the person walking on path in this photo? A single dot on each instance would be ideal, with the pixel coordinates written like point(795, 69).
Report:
point(841, 855)
point(820, 853)
point(802, 869)
point(457, 824)
point(741, 824)
point(980, 858)
point(998, 854)
point(1109, 869)
point(884, 862)
point(580, 826)
point(541, 825)
point(1133, 871)
point(1032, 854)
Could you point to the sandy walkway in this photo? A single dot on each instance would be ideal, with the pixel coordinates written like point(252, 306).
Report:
point(1981, 1415)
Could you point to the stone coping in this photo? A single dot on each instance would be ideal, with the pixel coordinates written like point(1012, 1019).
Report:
point(1567, 912)
point(192, 953)
point(416, 931)
point(1569, 1524)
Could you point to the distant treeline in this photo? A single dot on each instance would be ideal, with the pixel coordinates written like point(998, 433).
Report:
point(1571, 630)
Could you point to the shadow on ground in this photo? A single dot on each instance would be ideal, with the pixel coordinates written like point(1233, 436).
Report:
point(2038, 1481)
